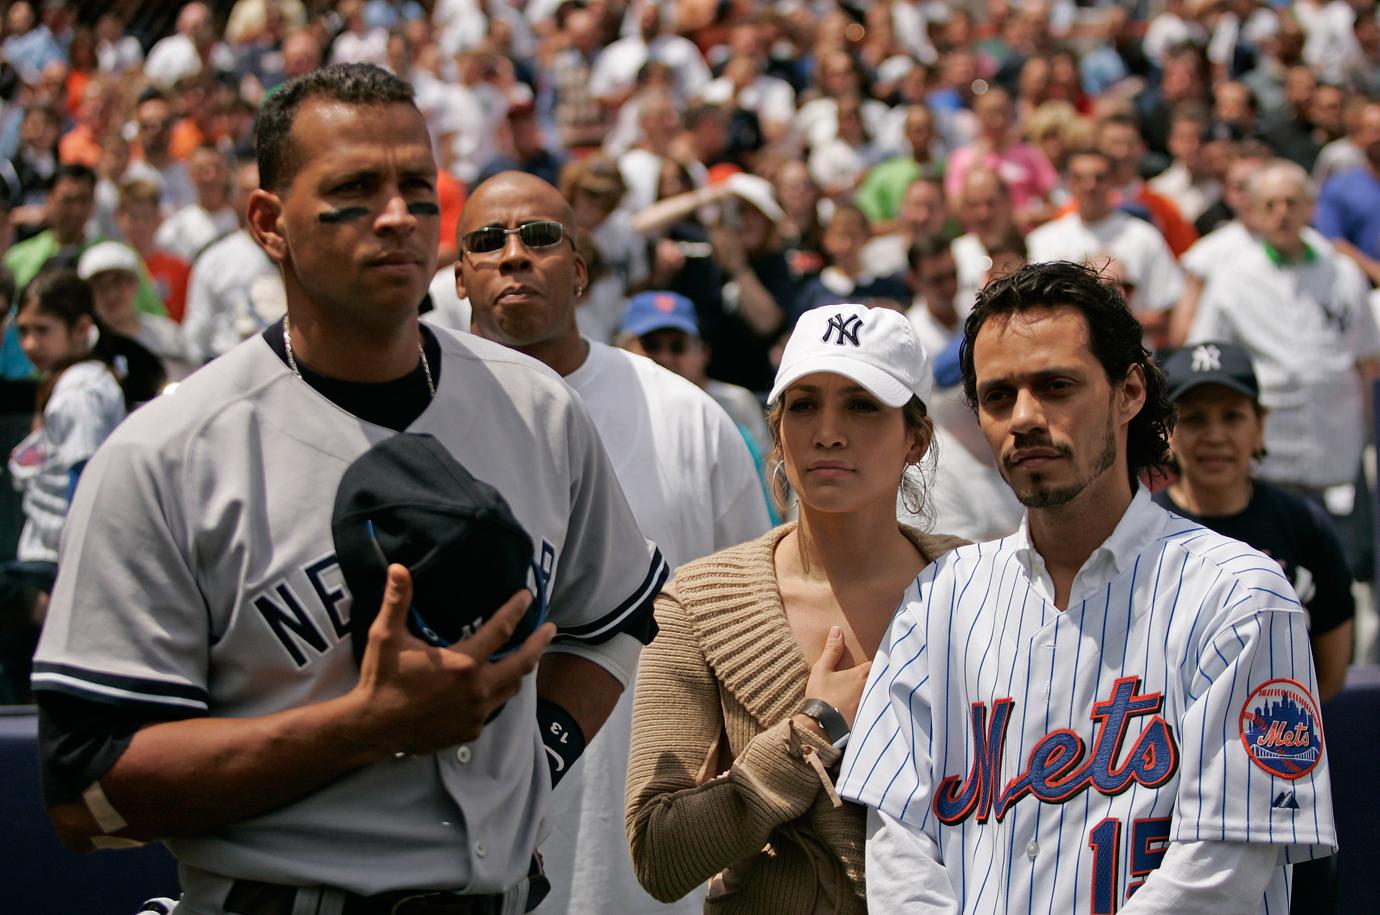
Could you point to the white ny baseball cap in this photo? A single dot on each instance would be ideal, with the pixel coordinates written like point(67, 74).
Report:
point(876, 347)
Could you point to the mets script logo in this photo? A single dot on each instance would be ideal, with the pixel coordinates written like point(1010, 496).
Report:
point(1282, 729)
point(1060, 767)
point(847, 327)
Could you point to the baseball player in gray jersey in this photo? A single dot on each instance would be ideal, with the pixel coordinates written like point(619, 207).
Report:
point(1111, 710)
point(196, 677)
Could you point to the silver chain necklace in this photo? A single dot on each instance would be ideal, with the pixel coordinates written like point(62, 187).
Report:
point(292, 361)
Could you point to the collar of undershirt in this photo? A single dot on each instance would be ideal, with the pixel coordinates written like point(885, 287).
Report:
point(392, 404)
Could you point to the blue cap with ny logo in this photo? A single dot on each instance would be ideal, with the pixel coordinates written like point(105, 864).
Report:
point(1210, 362)
point(876, 347)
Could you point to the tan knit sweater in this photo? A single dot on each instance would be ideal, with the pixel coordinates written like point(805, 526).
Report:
point(746, 806)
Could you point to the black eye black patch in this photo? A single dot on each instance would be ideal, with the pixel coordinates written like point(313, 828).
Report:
point(424, 208)
point(347, 214)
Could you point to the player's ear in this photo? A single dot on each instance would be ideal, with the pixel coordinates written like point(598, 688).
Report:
point(264, 215)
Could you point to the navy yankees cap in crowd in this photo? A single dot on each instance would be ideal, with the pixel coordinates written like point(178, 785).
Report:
point(1210, 363)
point(407, 500)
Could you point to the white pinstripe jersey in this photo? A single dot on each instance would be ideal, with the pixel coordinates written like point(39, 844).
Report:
point(1053, 755)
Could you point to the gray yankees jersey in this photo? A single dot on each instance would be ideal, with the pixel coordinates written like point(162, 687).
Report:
point(1053, 755)
point(199, 576)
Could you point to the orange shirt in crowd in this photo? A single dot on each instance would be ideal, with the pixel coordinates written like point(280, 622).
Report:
point(80, 145)
point(451, 195)
point(186, 137)
point(169, 275)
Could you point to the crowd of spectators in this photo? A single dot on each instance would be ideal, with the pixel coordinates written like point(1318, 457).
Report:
point(1219, 158)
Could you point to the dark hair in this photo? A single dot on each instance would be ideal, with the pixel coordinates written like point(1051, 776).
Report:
point(925, 247)
point(354, 84)
point(151, 94)
point(75, 171)
point(61, 293)
point(7, 287)
point(1087, 151)
point(1115, 339)
point(1012, 242)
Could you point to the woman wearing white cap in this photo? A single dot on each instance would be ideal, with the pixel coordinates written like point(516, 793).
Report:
point(745, 698)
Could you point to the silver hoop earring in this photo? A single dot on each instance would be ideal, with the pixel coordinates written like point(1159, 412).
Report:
point(579, 291)
point(779, 468)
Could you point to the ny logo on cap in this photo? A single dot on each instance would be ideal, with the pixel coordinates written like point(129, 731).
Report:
point(1207, 358)
point(847, 327)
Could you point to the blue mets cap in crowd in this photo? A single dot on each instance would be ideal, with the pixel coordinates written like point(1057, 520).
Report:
point(1210, 362)
point(658, 310)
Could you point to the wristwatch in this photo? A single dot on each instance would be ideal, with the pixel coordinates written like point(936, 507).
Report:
point(828, 718)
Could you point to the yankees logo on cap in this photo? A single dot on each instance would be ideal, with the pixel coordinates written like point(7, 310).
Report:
point(876, 347)
point(846, 326)
point(1225, 364)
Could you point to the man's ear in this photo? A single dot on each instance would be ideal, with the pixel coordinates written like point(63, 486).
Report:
point(264, 215)
point(1133, 393)
point(581, 273)
point(460, 278)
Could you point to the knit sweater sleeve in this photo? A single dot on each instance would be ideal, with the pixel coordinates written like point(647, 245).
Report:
point(684, 829)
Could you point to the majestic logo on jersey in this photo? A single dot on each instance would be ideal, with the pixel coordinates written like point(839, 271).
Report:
point(847, 327)
point(1059, 766)
point(1207, 358)
point(1281, 728)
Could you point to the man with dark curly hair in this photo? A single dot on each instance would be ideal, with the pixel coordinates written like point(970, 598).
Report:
point(1112, 700)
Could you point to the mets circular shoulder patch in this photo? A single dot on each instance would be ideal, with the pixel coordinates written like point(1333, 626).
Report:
point(1281, 728)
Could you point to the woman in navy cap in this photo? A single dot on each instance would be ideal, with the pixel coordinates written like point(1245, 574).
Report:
point(1220, 430)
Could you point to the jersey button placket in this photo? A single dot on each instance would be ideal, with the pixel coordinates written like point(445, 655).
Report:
point(463, 755)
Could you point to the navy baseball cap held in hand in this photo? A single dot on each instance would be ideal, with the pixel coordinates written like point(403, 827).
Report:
point(407, 500)
point(1224, 364)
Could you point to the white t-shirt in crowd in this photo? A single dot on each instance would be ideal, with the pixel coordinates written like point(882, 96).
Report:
point(616, 67)
point(973, 264)
point(234, 292)
point(447, 308)
point(85, 406)
point(771, 99)
point(189, 230)
point(1137, 246)
point(965, 496)
point(1306, 325)
point(694, 490)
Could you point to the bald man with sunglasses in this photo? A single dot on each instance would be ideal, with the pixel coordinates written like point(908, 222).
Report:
point(679, 458)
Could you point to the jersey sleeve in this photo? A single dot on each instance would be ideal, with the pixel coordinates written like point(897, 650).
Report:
point(127, 624)
point(608, 575)
point(1253, 754)
point(888, 766)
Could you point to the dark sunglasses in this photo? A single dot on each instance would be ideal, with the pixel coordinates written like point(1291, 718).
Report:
point(539, 234)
